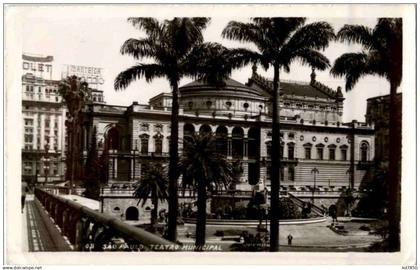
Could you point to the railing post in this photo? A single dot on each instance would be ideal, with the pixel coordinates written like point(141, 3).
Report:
point(65, 221)
point(79, 239)
point(72, 229)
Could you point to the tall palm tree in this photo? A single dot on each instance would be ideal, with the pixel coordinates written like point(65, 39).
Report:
point(75, 93)
point(206, 170)
point(174, 49)
point(381, 55)
point(279, 42)
point(154, 184)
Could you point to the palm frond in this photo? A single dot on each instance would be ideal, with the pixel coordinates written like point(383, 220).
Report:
point(154, 183)
point(244, 32)
point(312, 58)
point(351, 65)
point(316, 36)
point(201, 22)
point(356, 34)
point(139, 48)
point(148, 71)
point(208, 62)
point(278, 29)
point(241, 57)
point(184, 33)
point(151, 26)
point(200, 161)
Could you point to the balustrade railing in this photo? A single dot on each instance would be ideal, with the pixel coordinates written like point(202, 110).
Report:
point(89, 230)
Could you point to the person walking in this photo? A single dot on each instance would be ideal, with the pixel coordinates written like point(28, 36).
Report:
point(289, 239)
point(23, 195)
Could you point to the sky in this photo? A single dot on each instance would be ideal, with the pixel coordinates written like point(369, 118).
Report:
point(95, 40)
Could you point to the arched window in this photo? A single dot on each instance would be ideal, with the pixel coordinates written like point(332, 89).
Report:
point(331, 151)
point(144, 143)
point(221, 140)
point(364, 151)
point(253, 143)
point(343, 150)
point(188, 131)
point(158, 144)
point(237, 142)
point(308, 150)
point(290, 150)
point(132, 213)
point(320, 151)
point(205, 130)
point(113, 139)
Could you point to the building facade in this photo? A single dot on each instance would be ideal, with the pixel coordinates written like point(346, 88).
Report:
point(44, 121)
point(377, 114)
point(319, 152)
point(44, 115)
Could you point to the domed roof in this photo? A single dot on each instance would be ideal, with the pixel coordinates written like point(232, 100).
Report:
point(230, 87)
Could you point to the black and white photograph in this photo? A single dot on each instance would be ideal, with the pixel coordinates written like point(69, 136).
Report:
point(228, 131)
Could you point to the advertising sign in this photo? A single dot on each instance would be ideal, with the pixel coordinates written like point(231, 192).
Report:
point(39, 66)
point(92, 75)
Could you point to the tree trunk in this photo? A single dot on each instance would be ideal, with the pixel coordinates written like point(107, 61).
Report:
point(275, 164)
point(155, 202)
point(173, 163)
point(394, 211)
point(73, 154)
point(200, 232)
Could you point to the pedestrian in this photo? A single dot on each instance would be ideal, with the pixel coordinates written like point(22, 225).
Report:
point(289, 239)
point(23, 195)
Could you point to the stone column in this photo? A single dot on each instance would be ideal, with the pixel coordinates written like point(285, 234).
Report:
point(229, 142)
point(245, 147)
point(229, 146)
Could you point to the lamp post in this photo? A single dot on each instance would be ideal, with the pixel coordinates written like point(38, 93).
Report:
point(46, 163)
point(314, 171)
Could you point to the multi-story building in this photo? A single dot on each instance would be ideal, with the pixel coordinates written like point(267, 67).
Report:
point(319, 152)
point(44, 115)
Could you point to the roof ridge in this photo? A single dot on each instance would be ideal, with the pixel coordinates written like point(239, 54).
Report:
point(268, 84)
point(323, 88)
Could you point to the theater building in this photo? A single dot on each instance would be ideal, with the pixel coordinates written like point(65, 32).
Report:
point(320, 153)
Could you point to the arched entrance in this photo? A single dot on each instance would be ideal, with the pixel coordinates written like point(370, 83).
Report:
point(237, 142)
point(205, 130)
point(221, 140)
point(113, 139)
point(132, 213)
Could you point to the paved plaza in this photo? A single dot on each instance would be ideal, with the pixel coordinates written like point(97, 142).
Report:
point(306, 237)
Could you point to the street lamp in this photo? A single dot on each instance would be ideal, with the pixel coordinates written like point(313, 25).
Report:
point(46, 162)
point(314, 171)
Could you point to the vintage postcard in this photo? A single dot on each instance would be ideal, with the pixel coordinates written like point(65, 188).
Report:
point(235, 134)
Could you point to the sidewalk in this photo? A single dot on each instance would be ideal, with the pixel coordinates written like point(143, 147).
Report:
point(35, 235)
